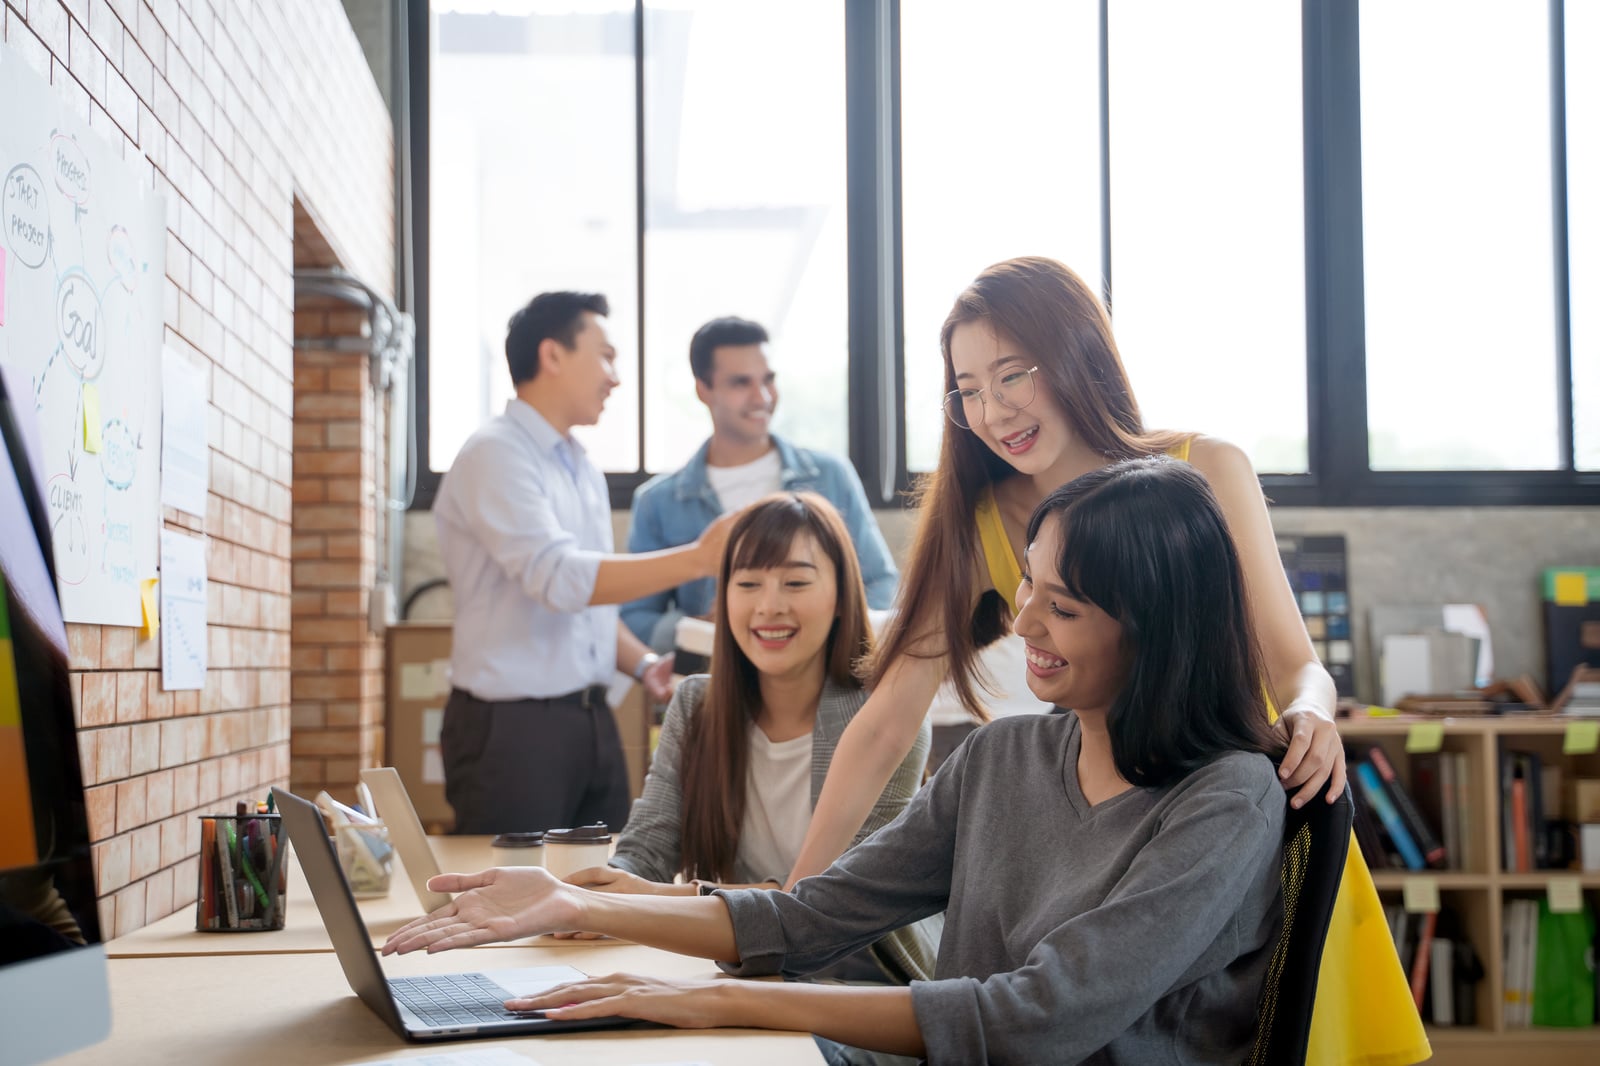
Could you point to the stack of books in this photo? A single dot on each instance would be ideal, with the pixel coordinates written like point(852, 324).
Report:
point(1441, 962)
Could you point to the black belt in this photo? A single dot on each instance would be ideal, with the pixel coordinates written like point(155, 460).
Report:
point(592, 698)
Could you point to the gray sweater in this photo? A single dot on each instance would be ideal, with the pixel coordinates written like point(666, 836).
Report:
point(1134, 931)
point(651, 845)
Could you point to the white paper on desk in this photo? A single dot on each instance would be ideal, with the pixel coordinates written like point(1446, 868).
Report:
point(185, 458)
point(487, 1056)
point(183, 611)
point(1469, 620)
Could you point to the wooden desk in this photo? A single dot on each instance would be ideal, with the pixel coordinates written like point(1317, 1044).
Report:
point(302, 926)
point(281, 1009)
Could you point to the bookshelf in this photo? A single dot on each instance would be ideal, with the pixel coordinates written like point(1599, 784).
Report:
point(1479, 889)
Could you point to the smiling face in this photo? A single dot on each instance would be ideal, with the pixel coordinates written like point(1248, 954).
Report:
point(1033, 439)
point(1075, 653)
point(587, 372)
point(742, 395)
point(781, 616)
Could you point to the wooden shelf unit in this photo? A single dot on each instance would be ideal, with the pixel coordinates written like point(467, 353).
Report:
point(1478, 891)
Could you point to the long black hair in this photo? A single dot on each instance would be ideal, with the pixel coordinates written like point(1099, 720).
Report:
point(1146, 542)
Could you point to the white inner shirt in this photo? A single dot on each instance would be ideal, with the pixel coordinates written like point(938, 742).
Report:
point(777, 804)
point(739, 486)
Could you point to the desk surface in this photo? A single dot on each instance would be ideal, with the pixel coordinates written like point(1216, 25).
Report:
point(278, 1009)
point(302, 926)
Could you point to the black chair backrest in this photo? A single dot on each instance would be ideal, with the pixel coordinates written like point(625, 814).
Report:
point(1316, 839)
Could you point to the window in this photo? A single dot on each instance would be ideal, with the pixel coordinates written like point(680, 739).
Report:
point(1000, 157)
point(1456, 221)
point(526, 197)
point(745, 209)
point(1208, 220)
point(1352, 238)
point(1582, 77)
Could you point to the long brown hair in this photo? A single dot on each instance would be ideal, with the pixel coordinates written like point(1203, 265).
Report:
point(716, 751)
point(1047, 311)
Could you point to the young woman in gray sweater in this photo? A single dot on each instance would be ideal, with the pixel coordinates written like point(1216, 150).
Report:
point(1109, 873)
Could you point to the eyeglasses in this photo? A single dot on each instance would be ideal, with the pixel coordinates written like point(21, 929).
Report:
point(1011, 388)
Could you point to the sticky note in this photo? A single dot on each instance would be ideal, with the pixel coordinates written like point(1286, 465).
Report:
point(1565, 895)
point(1572, 589)
point(150, 613)
point(1582, 738)
point(1421, 895)
point(1382, 712)
point(1425, 737)
point(91, 417)
point(2, 286)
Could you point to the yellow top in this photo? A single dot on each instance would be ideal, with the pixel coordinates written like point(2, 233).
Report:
point(1364, 1015)
point(1004, 570)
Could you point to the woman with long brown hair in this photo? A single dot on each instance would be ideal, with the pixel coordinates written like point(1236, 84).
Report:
point(1036, 397)
point(743, 750)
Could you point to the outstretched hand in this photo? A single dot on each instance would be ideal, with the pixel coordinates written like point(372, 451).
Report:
point(684, 1004)
point(1315, 757)
point(505, 903)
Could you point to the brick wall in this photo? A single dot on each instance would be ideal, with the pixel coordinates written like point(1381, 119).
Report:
point(336, 661)
point(232, 110)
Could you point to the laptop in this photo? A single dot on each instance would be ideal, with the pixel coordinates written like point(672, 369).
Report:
point(435, 1007)
point(396, 811)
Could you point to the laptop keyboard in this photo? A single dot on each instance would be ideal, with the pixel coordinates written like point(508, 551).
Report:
point(454, 999)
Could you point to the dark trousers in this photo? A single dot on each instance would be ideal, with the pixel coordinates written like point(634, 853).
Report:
point(514, 766)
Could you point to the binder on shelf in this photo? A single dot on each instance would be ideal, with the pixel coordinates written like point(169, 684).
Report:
point(1433, 852)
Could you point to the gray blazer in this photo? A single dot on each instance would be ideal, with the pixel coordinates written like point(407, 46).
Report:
point(651, 844)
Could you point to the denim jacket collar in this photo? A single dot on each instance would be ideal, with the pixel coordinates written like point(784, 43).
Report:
point(793, 465)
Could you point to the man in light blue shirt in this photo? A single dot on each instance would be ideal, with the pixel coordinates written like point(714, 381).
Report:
point(741, 462)
point(524, 522)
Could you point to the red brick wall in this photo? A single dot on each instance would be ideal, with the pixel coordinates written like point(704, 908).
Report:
point(336, 661)
point(232, 109)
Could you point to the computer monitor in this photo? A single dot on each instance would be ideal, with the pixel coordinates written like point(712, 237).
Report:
point(54, 995)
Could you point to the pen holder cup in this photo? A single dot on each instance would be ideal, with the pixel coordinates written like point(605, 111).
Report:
point(242, 873)
point(366, 857)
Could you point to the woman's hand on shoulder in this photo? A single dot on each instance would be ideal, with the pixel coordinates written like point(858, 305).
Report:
point(1315, 758)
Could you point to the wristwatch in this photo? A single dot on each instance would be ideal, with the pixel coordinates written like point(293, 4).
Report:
point(646, 661)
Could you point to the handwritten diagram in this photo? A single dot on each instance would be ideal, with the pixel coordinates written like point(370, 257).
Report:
point(85, 244)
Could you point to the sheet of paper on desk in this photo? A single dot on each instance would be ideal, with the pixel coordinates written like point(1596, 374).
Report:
point(486, 1056)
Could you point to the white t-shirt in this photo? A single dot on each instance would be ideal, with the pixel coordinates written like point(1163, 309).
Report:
point(777, 804)
point(739, 486)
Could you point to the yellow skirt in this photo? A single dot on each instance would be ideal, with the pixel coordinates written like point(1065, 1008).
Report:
point(1364, 1015)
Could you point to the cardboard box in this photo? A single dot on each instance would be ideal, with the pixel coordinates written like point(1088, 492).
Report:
point(418, 672)
point(418, 683)
point(1582, 800)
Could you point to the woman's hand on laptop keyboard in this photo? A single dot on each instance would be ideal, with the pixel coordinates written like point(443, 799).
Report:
point(505, 903)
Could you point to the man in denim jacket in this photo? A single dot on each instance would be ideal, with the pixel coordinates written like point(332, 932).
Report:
point(741, 462)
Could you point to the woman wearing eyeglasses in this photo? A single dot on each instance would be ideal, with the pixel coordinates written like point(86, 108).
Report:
point(1037, 396)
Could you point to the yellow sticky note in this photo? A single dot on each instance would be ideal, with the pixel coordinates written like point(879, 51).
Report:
point(147, 603)
point(1565, 895)
point(1382, 712)
point(1421, 894)
point(1572, 589)
point(1582, 738)
point(91, 417)
point(1425, 737)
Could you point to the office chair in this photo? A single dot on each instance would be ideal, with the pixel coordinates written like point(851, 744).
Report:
point(1316, 839)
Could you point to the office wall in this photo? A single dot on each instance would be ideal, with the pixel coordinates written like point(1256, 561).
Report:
point(234, 108)
point(1398, 555)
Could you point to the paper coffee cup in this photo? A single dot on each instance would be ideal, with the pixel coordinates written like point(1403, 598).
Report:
point(518, 849)
point(566, 851)
point(692, 639)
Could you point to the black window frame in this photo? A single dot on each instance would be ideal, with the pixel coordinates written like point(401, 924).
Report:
point(1340, 473)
